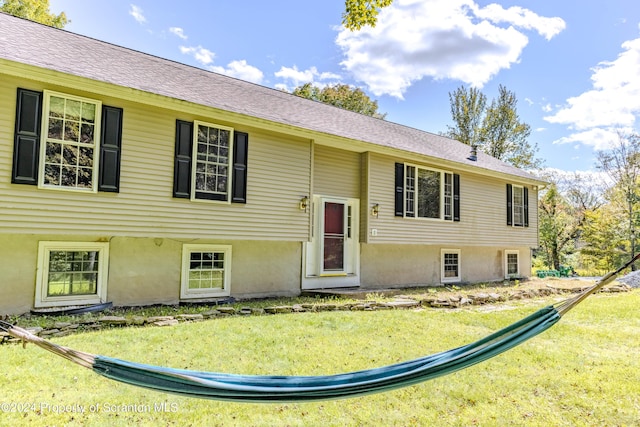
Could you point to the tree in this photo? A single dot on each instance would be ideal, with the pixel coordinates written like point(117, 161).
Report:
point(467, 108)
point(34, 10)
point(342, 96)
point(604, 236)
point(358, 13)
point(496, 129)
point(557, 228)
point(622, 164)
point(565, 206)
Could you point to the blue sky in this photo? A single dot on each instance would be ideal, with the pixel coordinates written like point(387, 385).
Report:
point(574, 65)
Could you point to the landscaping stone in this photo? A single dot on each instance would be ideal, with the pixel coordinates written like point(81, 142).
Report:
point(138, 320)
point(278, 309)
point(449, 301)
point(155, 319)
point(166, 322)
point(61, 325)
point(402, 304)
point(210, 313)
point(112, 320)
point(190, 317)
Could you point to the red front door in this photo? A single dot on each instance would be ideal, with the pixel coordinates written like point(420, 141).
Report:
point(334, 236)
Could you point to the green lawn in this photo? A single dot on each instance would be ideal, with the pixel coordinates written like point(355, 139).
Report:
point(584, 371)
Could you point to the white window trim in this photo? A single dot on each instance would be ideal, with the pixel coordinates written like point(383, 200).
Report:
point(44, 131)
point(185, 292)
point(513, 206)
point(415, 194)
point(444, 279)
point(194, 162)
point(44, 247)
point(506, 264)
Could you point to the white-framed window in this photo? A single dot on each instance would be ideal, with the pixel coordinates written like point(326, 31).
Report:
point(428, 193)
point(511, 264)
point(70, 148)
point(450, 265)
point(71, 273)
point(212, 151)
point(206, 271)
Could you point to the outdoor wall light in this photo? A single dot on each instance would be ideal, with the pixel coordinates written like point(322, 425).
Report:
point(375, 210)
point(304, 203)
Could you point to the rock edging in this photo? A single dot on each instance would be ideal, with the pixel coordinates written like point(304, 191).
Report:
point(458, 300)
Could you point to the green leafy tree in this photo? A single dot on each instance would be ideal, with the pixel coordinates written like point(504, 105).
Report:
point(495, 129)
point(563, 209)
point(342, 96)
point(34, 10)
point(622, 164)
point(467, 109)
point(359, 13)
point(605, 237)
point(557, 227)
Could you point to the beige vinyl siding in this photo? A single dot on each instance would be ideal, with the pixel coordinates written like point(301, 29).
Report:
point(365, 201)
point(482, 212)
point(336, 172)
point(278, 173)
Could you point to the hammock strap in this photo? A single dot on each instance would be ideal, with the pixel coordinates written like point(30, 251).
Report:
point(570, 303)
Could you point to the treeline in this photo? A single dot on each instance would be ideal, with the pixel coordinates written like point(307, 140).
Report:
point(590, 220)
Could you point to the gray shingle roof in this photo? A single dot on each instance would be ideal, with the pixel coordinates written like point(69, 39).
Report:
point(38, 45)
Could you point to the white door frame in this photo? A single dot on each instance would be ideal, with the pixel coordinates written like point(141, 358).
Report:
point(314, 276)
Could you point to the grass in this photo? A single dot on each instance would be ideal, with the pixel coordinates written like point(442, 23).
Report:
point(585, 371)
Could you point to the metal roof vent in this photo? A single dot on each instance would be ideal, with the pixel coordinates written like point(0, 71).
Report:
point(474, 153)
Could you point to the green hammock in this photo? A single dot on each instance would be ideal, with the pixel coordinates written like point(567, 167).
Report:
point(255, 388)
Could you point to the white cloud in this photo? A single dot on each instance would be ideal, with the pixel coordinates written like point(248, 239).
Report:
point(612, 103)
point(137, 14)
point(598, 138)
point(523, 18)
point(547, 108)
point(294, 77)
point(240, 70)
point(178, 32)
point(441, 39)
point(202, 55)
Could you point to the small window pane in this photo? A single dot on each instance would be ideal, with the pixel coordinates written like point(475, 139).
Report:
point(88, 113)
point(72, 110)
point(56, 107)
point(71, 131)
point(52, 174)
point(55, 128)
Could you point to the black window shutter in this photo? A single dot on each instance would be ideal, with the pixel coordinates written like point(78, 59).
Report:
point(509, 205)
point(526, 206)
point(399, 193)
point(182, 161)
point(456, 197)
point(239, 177)
point(26, 144)
point(110, 145)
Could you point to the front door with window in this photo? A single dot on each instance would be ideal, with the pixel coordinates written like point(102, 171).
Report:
point(332, 257)
point(334, 236)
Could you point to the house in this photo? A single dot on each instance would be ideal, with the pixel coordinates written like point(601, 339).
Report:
point(129, 178)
